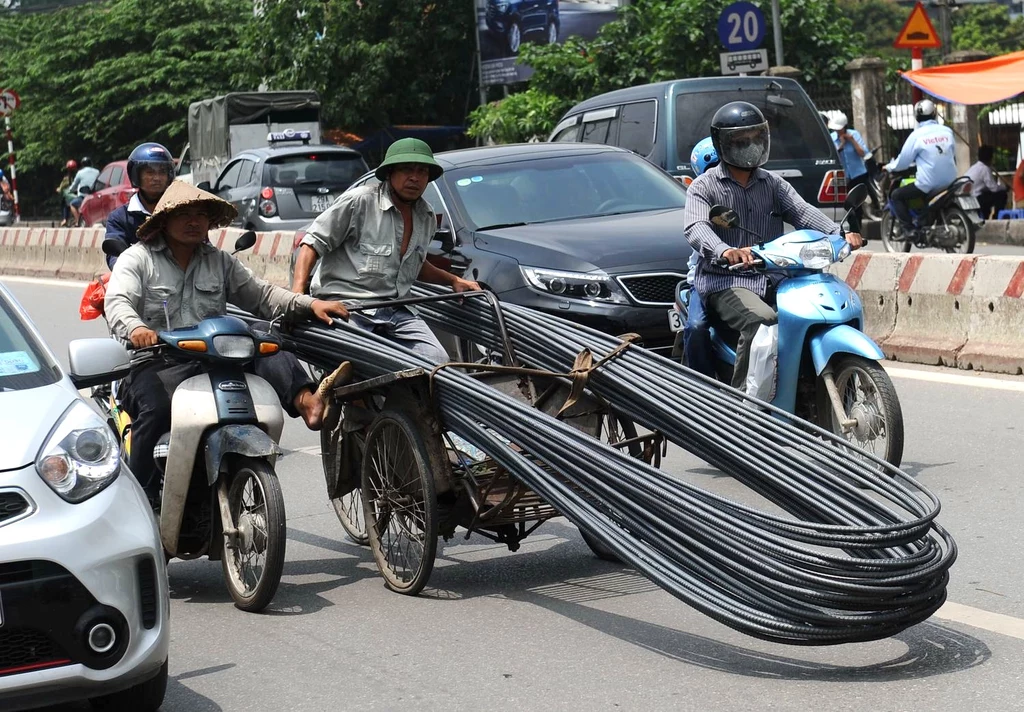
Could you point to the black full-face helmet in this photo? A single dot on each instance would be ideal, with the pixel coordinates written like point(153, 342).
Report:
point(740, 134)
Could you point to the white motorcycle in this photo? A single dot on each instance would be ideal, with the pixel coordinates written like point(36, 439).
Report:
point(221, 497)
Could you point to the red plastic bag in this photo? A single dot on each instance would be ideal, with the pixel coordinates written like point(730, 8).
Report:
point(92, 300)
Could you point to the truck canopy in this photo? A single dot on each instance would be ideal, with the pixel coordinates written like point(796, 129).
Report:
point(220, 127)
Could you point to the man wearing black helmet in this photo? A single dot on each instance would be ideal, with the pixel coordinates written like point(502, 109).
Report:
point(764, 202)
point(150, 170)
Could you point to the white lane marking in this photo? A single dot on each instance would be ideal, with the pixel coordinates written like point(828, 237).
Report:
point(956, 379)
point(977, 618)
point(43, 281)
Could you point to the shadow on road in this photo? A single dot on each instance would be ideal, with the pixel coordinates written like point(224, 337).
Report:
point(932, 649)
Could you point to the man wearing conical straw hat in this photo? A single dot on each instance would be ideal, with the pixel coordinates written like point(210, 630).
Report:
point(175, 278)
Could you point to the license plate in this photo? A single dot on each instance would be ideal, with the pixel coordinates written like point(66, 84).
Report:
point(320, 203)
point(675, 320)
point(968, 202)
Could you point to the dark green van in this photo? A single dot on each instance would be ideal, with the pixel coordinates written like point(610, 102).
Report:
point(663, 122)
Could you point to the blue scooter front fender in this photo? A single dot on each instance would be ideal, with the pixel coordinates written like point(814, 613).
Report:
point(841, 338)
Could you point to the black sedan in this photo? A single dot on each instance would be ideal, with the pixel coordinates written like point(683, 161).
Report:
point(590, 233)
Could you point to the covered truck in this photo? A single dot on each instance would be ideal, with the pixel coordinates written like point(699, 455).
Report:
point(223, 126)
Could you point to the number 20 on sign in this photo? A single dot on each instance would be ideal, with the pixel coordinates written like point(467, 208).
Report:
point(741, 26)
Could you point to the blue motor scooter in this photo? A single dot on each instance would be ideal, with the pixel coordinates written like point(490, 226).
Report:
point(828, 369)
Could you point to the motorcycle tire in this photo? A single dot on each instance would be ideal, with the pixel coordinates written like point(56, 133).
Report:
point(261, 519)
point(889, 241)
point(885, 410)
point(958, 214)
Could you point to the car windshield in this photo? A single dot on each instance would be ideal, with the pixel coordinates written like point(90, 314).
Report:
point(24, 364)
point(540, 190)
point(329, 168)
point(796, 128)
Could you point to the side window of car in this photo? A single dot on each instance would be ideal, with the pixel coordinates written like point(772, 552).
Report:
point(600, 126)
point(103, 180)
point(185, 164)
point(229, 178)
point(636, 127)
point(568, 131)
point(245, 175)
point(117, 175)
point(433, 196)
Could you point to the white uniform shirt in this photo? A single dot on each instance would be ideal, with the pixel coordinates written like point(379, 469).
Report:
point(931, 147)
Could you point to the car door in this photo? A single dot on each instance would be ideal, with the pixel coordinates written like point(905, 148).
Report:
point(92, 207)
point(227, 186)
point(444, 250)
point(120, 191)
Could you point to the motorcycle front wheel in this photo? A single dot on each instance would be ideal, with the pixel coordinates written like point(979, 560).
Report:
point(890, 241)
point(868, 397)
point(253, 565)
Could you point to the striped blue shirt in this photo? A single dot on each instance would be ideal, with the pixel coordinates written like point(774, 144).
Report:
point(763, 206)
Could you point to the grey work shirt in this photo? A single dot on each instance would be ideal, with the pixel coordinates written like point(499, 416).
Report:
point(146, 276)
point(359, 242)
point(762, 206)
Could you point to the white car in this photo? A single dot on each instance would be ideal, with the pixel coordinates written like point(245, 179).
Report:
point(83, 584)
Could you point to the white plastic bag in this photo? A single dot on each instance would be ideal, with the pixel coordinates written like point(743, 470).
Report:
point(763, 360)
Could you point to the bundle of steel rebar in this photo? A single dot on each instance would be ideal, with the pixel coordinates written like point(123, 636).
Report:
point(859, 558)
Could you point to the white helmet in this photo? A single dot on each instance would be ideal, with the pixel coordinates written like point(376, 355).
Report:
point(838, 122)
point(924, 110)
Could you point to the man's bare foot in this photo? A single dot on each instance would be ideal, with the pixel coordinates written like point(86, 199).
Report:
point(311, 408)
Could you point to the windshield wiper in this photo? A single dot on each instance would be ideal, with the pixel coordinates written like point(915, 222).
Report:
point(501, 225)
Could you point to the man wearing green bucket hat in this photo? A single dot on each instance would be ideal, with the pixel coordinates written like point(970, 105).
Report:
point(372, 245)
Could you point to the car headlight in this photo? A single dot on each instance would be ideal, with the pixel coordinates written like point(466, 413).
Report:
point(587, 286)
point(817, 254)
point(81, 456)
point(234, 346)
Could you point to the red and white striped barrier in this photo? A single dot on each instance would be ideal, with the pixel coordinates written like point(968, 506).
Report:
point(962, 310)
point(995, 339)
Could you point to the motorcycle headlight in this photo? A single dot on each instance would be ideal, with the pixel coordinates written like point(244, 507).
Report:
point(234, 346)
point(587, 286)
point(81, 456)
point(817, 255)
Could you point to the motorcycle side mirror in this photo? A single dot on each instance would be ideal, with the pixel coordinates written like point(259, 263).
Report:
point(724, 217)
point(856, 197)
point(246, 240)
point(113, 248)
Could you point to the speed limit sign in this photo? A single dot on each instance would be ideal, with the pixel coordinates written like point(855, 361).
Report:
point(9, 101)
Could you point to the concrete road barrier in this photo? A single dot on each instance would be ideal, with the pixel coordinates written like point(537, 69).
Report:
point(965, 311)
point(931, 309)
point(995, 336)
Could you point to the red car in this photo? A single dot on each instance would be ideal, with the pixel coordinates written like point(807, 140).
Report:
point(112, 190)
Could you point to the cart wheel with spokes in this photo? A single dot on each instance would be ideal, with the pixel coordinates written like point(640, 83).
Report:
point(252, 567)
point(399, 502)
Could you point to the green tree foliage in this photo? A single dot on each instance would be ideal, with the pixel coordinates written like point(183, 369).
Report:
point(987, 28)
point(655, 40)
point(374, 62)
point(878, 22)
point(100, 78)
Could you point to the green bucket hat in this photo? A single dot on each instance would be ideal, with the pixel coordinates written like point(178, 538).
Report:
point(409, 150)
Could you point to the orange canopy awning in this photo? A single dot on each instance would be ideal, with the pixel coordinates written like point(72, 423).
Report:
point(984, 82)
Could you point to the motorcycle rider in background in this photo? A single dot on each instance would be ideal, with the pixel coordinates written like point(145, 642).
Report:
point(150, 170)
point(85, 178)
point(931, 146)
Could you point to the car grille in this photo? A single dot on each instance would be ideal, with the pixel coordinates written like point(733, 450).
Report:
point(655, 289)
point(24, 649)
point(12, 504)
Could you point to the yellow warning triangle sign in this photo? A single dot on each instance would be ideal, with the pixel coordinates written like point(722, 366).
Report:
point(918, 32)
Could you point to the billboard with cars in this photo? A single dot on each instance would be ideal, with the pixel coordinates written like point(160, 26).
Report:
point(503, 26)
